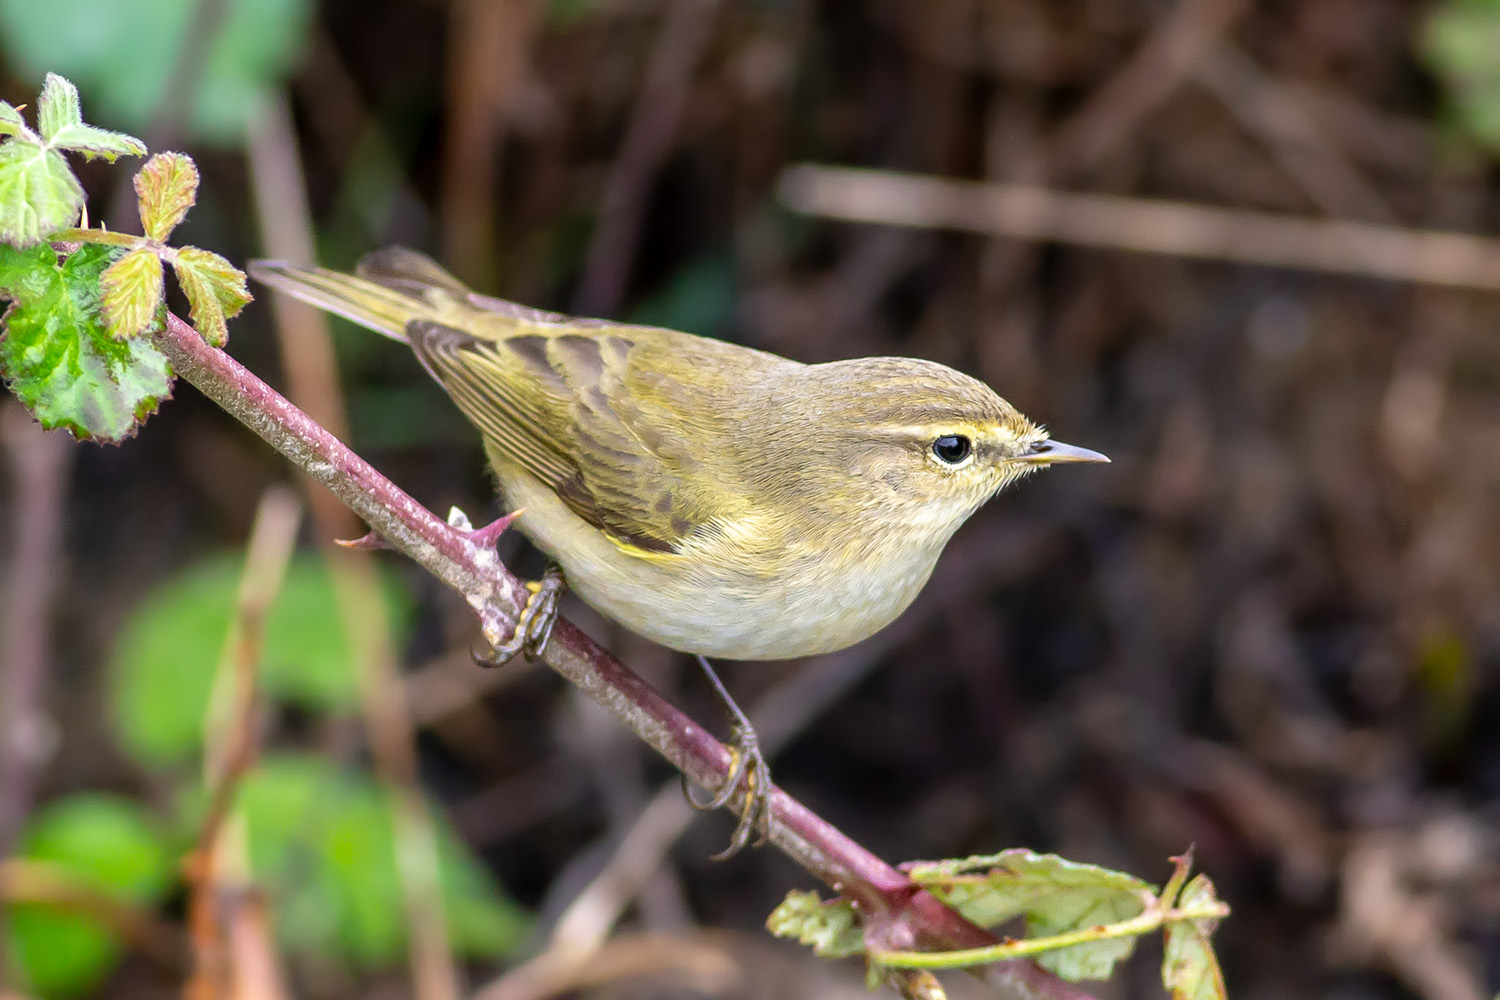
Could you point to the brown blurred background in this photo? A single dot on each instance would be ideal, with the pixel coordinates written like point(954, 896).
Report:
point(1271, 628)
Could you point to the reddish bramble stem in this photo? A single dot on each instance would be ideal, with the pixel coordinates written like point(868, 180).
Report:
point(898, 914)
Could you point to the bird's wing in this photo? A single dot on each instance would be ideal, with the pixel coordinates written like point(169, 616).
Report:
point(577, 406)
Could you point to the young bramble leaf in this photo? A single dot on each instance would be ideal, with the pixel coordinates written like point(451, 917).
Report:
point(59, 116)
point(831, 928)
point(38, 193)
point(167, 187)
point(1189, 967)
point(57, 355)
point(57, 107)
point(91, 141)
point(132, 293)
point(215, 289)
point(11, 122)
point(105, 236)
point(1055, 895)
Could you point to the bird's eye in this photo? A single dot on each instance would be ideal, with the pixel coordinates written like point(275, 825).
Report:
point(952, 448)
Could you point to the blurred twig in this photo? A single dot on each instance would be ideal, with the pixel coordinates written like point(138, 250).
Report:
point(489, 41)
point(217, 879)
point(312, 377)
point(1145, 225)
point(1384, 921)
point(39, 464)
point(697, 961)
point(1169, 54)
point(648, 139)
point(1273, 111)
point(23, 881)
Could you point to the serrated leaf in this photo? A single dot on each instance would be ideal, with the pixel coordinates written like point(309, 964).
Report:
point(132, 289)
point(1189, 967)
point(57, 107)
point(91, 141)
point(57, 356)
point(1054, 894)
point(831, 928)
point(109, 844)
point(38, 193)
point(215, 289)
point(11, 122)
point(167, 186)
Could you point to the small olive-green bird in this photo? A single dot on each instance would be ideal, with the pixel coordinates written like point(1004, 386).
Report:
point(713, 498)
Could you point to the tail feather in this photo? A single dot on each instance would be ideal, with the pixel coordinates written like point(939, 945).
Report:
point(382, 309)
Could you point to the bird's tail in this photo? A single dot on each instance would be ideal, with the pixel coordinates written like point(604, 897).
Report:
point(391, 288)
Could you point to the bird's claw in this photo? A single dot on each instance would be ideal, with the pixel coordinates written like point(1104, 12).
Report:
point(747, 767)
point(535, 624)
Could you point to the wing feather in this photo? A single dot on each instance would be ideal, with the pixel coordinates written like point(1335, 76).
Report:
point(556, 401)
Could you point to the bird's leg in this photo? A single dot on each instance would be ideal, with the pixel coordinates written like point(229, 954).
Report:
point(534, 626)
point(749, 765)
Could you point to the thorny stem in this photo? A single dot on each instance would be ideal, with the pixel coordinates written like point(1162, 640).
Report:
point(897, 912)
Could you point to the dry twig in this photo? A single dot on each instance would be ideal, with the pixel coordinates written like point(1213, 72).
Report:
point(1145, 225)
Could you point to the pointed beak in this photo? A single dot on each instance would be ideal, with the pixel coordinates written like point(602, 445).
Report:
point(1048, 452)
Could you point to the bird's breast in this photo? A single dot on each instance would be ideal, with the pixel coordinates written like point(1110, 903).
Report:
point(727, 599)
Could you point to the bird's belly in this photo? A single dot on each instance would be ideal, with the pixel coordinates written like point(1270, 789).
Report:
point(725, 615)
point(698, 606)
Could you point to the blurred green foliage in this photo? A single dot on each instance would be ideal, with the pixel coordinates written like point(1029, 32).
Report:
point(125, 54)
point(1460, 43)
point(322, 842)
point(101, 842)
point(320, 837)
point(162, 673)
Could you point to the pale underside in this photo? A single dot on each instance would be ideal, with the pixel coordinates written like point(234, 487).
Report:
point(702, 603)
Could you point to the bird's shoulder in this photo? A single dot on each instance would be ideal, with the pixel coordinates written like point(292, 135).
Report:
point(638, 429)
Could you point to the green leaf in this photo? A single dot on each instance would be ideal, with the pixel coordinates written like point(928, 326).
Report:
point(831, 928)
point(132, 292)
point(167, 186)
point(107, 843)
point(57, 355)
point(38, 193)
point(1458, 42)
point(11, 122)
point(162, 669)
point(215, 289)
point(322, 843)
point(91, 141)
point(57, 107)
point(1054, 894)
point(125, 58)
point(1189, 968)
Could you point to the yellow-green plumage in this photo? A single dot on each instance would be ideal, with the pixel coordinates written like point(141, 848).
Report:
point(716, 499)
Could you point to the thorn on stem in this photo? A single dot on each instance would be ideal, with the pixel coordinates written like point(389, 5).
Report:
point(369, 543)
point(487, 536)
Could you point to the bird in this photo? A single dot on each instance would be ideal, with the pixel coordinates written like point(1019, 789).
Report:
point(719, 500)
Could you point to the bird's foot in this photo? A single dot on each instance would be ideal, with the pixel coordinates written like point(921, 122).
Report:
point(748, 767)
point(534, 626)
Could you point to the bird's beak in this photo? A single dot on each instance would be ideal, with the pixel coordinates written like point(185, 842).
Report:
point(1047, 452)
